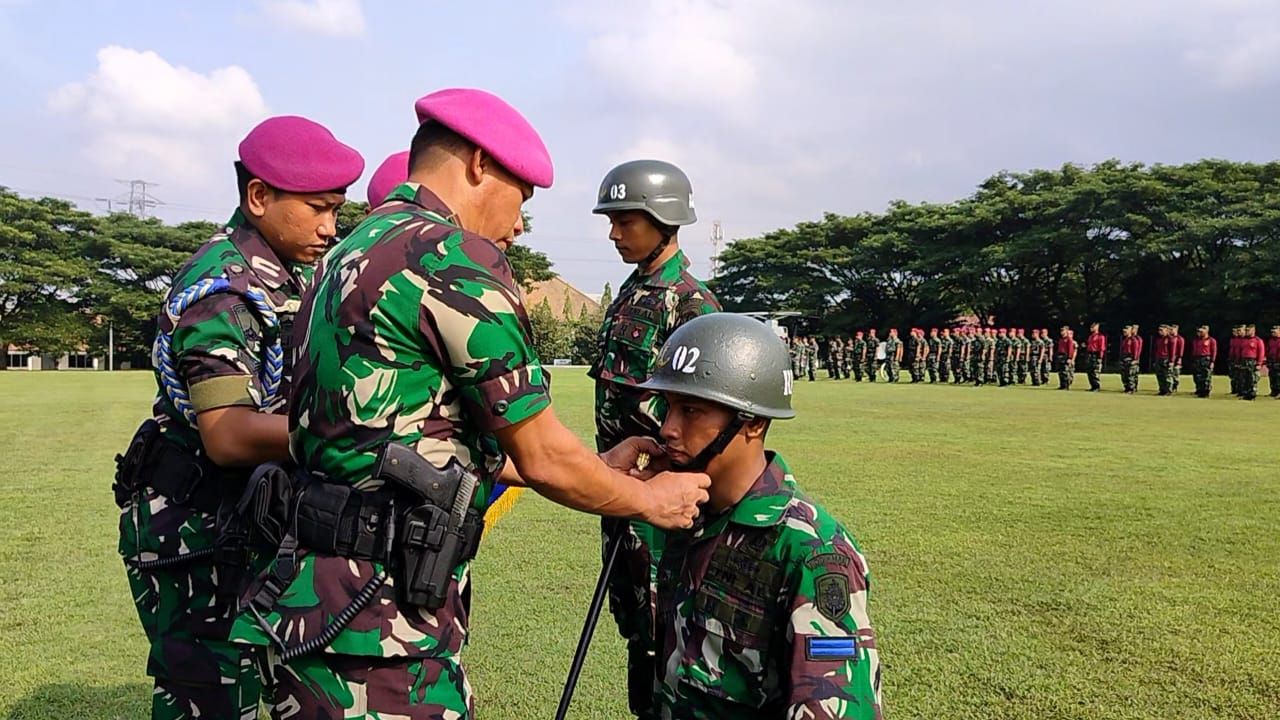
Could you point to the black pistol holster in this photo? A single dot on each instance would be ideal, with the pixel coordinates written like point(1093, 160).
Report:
point(419, 524)
point(439, 531)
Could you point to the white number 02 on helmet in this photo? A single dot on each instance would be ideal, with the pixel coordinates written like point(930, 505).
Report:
point(685, 359)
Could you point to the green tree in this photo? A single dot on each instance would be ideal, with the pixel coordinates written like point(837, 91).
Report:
point(552, 337)
point(44, 276)
point(1114, 243)
point(135, 261)
point(350, 215)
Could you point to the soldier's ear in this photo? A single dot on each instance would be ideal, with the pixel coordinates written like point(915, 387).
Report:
point(477, 166)
point(756, 428)
point(256, 196)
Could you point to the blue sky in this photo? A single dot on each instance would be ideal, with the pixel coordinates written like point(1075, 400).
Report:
point(778, 111)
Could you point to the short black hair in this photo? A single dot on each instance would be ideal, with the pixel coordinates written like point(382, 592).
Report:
point(243, 176)
point(432, 136)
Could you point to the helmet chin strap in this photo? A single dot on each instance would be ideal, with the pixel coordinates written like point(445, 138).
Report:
point(666, 240)
point(716, 446)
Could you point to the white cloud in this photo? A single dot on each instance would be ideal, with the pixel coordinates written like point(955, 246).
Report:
point(147, 117)
point(671, 53)
point(1251, 57)
point(335, 18)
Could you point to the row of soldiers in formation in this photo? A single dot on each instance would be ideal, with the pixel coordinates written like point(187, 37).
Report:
point(1005, 356)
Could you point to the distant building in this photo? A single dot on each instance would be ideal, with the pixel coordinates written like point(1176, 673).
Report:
point(20, 358)
point(555, 291)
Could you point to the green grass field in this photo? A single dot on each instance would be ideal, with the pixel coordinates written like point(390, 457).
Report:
point(1035, 554)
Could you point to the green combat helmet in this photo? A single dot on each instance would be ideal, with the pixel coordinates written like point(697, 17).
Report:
point(730, 359)
point(658, 188)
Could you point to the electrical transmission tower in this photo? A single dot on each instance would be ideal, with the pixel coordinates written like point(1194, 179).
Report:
point(717, 238)
point(138, 199)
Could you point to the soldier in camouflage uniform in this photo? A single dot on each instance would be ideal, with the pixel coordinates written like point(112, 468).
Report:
point(1001, 356)
point(892, 355)
point(1023, 362)
point(978, 358)
point(913, 356)
point(1033, 357)
point(1046, 356)
point(989, 350)
point(858, 356)
point(835, 355)
point(933, 362)
point(873, 362)
point(762, 608)
point(960, 356)
point(416, 340)
point(946, 347)
point(647, 201)
point(223, 372)
point(793, 348)
point(1233, 358)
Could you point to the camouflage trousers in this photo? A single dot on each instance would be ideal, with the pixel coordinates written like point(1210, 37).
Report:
point(198, 674)
point(857, 370)
point(1129, 373)
point(873, 369)
point(931, 365)
point(891, 369)
point(325, 685)
point(1066, 372)
point(1273, 378)
point(1202, 372)
point(1093, 365)
point(1248, 379)
point(1175, 375)
point(1021, 371)
point(1161, 371)
point(1002, 371)
point(1234, 372)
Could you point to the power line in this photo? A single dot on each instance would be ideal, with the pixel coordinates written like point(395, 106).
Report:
point(138, 198)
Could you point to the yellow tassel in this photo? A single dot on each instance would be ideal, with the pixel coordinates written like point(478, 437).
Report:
point(500, 507)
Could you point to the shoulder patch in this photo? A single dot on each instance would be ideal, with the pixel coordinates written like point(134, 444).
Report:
point(827, 560)
point(831, 648)
point(246, 321)
point(831, 595)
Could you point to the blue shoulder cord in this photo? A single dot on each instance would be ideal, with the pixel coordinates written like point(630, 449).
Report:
point(270, 372)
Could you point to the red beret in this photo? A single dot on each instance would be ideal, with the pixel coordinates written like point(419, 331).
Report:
point(494, 126)
point(295, 154)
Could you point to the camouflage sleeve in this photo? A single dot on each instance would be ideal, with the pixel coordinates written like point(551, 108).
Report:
point(479, 329)
point(216, 348)
point(834, 663)
point(699, 301)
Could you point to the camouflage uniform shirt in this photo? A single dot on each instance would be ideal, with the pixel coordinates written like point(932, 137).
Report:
point(763, 613)
point(217, 348)
point(637, 323)
point(415, 334)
